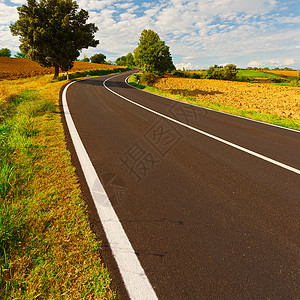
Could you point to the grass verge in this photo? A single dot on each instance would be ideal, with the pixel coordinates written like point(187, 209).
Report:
point(267, 118)
point(47, 249)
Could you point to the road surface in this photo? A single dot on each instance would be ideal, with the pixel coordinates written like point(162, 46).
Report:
point(209, 202)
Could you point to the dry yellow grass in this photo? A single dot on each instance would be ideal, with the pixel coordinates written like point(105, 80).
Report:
point(282, 101)
point(9, 88)
point(285, 73)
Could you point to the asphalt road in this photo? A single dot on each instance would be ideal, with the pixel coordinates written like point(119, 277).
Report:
point(206, 220)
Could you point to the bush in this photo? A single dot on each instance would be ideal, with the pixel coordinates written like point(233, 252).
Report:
point(86, 59)
point(195, 76)
point(214, 73)
point(148, 78)
point(229, 72)
point(277, 80)
point(177, 73)
point(181, 74)
point(244, 79)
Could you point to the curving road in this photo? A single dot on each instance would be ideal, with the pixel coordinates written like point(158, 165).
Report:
point(209, 202)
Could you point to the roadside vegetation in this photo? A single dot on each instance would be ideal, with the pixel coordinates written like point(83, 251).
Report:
point(47, 249)
point(279, 105)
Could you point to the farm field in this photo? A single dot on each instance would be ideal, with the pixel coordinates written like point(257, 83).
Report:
point(261, 75)
point(15, 68)
point(255, 74)
point(284, 73)
point(282, 101)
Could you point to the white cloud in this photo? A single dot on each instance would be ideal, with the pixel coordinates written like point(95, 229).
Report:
point(124, 5)
point(7, 40)
point(19, 2)
point(8, 14)
point(288, 62)
point(254, 64)
point(186, 66)
point(290, 20)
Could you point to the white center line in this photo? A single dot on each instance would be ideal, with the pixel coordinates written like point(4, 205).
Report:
point(275, 162)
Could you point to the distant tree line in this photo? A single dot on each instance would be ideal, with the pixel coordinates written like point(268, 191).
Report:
point(268, 69)
point(227, 72)
point(100, 58)
point(5, 52)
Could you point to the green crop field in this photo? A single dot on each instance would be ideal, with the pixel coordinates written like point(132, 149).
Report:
point(255, 74)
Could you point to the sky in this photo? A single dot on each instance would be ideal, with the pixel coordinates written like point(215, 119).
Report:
point(247, 33)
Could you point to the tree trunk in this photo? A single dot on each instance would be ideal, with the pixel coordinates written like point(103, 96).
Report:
point(56, 71)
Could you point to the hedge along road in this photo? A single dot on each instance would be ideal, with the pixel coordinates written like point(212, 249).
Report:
point(201, 218)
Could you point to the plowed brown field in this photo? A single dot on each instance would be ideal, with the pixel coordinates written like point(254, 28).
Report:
point(282, 101)
point(14, 68)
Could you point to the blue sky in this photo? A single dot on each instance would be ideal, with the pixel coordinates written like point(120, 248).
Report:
point(200, 33)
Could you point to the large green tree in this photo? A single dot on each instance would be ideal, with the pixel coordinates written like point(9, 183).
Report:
point(153, 54)
point(52, 32)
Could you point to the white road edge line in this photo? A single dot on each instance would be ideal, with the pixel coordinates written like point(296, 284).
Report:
point(216, 111)
point(206, 133)
point(134, 277)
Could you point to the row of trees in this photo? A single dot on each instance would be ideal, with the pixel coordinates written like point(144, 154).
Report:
point(100, 58)
point(127, 60)
point(5, 52)
point(227, 72)
point(267, 69)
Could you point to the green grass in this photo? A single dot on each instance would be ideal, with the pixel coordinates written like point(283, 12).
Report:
point(47, 249)
point(267, 118)
point(266, 77)
point(255, 74)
